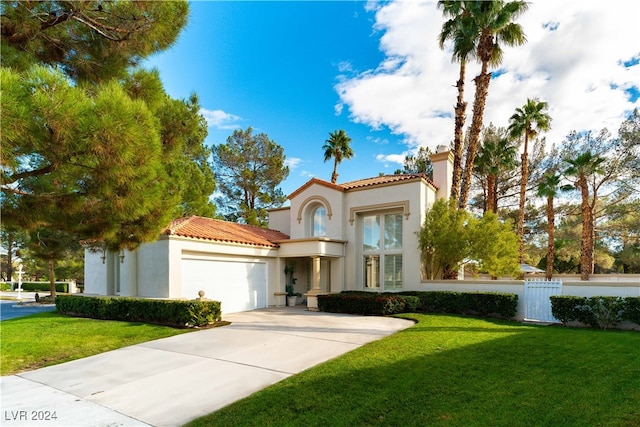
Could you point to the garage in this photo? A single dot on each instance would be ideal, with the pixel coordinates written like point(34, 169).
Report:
point(239, 285)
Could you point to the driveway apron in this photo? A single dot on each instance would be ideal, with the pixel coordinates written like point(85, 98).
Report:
point(174, 380)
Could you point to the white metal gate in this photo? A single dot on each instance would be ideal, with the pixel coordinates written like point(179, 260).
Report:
point(537, 301)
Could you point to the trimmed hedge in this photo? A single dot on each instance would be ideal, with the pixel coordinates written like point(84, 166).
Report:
point(35, 286)
point(42, 287)
point(367, 303)
point(477, 303)
point(361, 302)
point(175, 313)
point(632, 312)
point(597, 312)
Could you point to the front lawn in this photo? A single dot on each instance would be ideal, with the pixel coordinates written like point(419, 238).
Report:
point(49, 338)
point(460, 371)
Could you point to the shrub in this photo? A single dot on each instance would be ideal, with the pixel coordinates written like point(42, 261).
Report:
point(366, 303)
point(411, 303)
point(604, 312)
point(43, 287)
point(563, 307)
point(632, 310)
point(360, 302)
point(5, 286)
point(598, 312)
point(176, 313)
point(482, 303)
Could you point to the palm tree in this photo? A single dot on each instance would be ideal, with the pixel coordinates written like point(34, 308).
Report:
point(464, 46)
point(491, 22)
point(337, 146)
point(548, 188)
point(527, 121)
point(582, 168)
point(496, 155)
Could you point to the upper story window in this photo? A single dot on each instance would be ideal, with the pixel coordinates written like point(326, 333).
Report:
point(313, 214)
point(382, 251)
point(319, 222)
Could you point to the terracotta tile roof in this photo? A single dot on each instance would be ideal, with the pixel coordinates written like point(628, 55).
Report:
point(216, 230)
point(386, 179)
point(367, 182)
point(315, 181)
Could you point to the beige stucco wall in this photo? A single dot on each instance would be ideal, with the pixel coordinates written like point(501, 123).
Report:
point(222, 252)
point(302, 204)
point(383, 199)
point(413, 198)
point(279, 219)
point(154, 270)
point(95, 273)
point(443, 172)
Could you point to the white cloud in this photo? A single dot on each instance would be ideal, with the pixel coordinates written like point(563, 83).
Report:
point(292, 162)
point(391, 158)
point(345, 67)
point(573, 61)
point(219, 119)
point(377, 140)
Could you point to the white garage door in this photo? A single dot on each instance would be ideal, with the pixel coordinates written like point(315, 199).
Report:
point(240, 286)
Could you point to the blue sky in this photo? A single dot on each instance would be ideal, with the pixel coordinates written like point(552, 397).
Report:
point(299, 70)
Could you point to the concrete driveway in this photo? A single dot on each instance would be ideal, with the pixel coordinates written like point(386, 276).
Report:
point(171, 381)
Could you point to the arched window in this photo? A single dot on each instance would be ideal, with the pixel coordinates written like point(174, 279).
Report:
point(319, 222)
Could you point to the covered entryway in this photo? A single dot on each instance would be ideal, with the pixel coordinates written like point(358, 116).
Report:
point(323, 262)
point(239, 285)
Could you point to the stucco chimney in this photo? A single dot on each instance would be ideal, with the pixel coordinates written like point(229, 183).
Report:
point(442, 161)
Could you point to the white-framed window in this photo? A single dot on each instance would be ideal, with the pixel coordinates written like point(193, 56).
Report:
point(319, 222)
point(382, 251)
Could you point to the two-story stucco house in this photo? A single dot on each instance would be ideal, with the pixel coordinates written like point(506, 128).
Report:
point(360, 235)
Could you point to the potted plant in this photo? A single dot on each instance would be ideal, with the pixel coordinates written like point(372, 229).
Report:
point(291, 281)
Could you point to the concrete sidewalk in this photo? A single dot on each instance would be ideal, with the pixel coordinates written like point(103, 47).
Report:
point(171, 381)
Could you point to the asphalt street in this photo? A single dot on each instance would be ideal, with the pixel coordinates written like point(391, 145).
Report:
point(10, 309)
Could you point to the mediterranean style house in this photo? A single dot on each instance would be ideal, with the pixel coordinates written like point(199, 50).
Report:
point(360, 235)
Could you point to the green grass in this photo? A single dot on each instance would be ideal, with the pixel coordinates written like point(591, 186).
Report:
point(459, 371)
point(49, 338)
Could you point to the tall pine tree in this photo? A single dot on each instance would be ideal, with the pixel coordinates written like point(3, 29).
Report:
point(93, 147)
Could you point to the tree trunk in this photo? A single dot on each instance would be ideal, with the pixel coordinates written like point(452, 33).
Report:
point(586, 246)
point(482, 91)
point(449, 273)
point(523, 194)
point(52, 279)
point(334, 175)
point(460, 109)
point(10, 242)
point(492, 197)
point(592, 222)
point(551, 219)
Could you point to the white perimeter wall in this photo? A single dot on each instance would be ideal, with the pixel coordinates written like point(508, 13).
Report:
point(586, 289)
